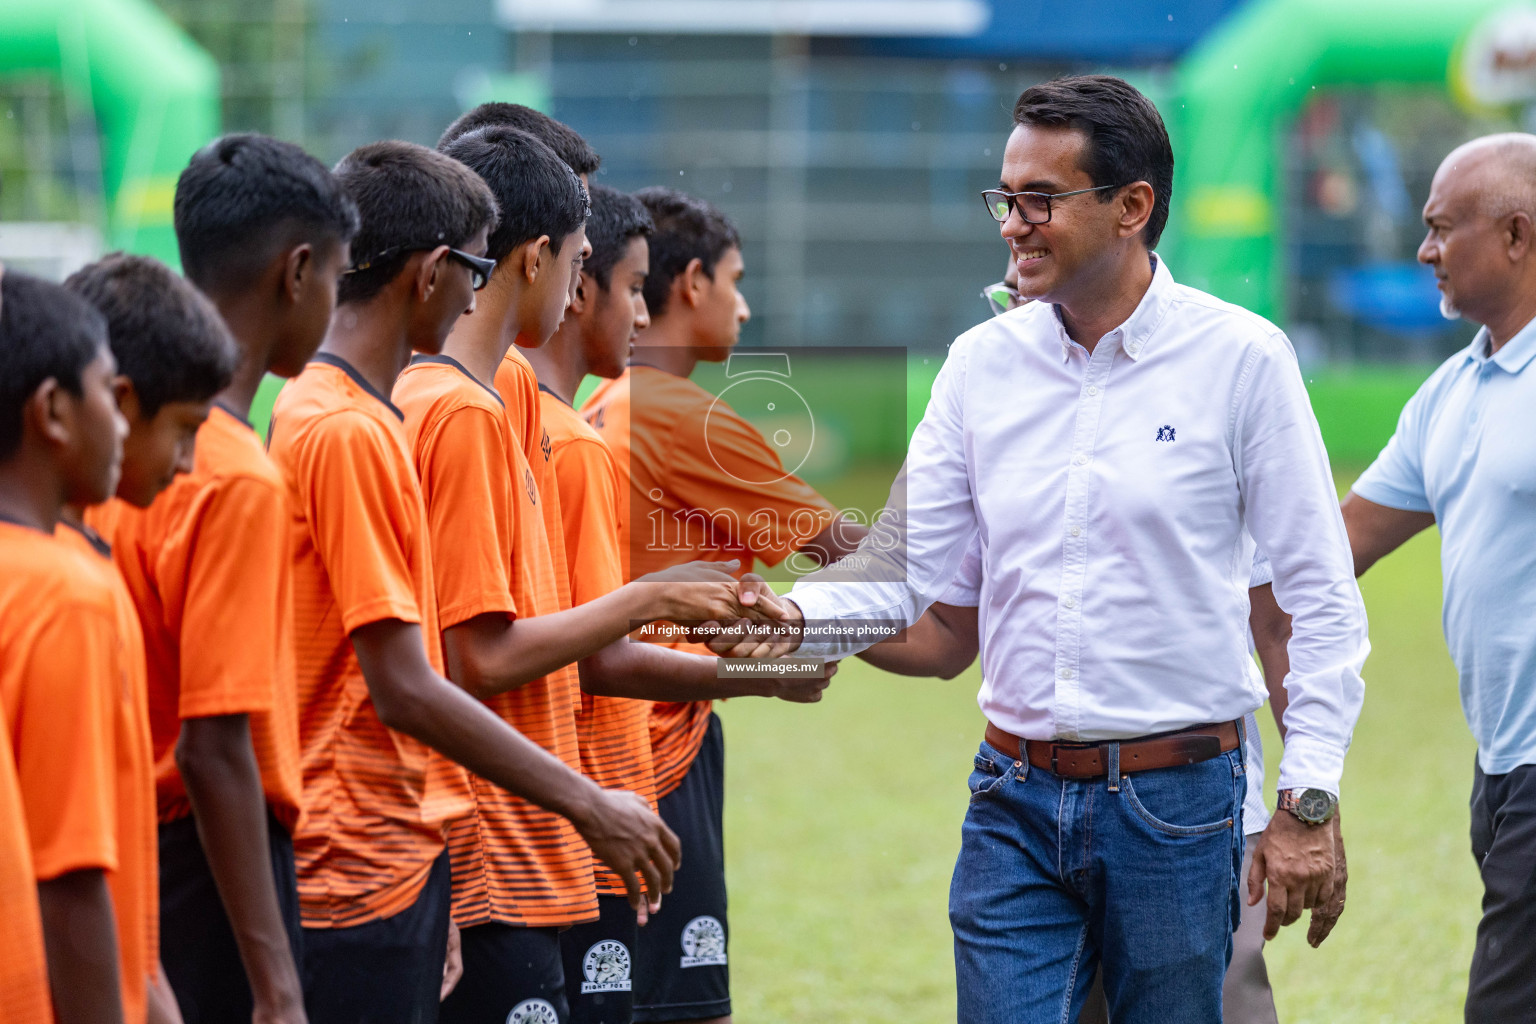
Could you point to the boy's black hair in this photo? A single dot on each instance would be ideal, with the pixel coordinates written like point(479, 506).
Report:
point(564, 140)
point(243, 198)
point(411, 198)
point(538, 194)
point(1127, 141)
point(44, 332)
point(166, 336)
point(616, 218)
point(685, 229)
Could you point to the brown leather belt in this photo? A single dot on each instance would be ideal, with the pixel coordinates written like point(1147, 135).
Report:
point(1091, 760)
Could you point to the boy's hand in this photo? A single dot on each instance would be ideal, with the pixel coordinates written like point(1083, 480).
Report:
point(773, 630)
point(453, 963)
point(625, 835)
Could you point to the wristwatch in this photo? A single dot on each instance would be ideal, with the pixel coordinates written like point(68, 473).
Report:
point(1312, 806)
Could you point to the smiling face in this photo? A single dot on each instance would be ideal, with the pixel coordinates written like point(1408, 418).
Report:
point(1085, 236)
point(615, 315)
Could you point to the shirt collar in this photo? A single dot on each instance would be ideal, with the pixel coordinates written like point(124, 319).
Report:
point(1517, 351)
point(1135, 335)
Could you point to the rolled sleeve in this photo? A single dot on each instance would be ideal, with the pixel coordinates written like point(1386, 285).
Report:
point(914, 550)
point(1293, 514)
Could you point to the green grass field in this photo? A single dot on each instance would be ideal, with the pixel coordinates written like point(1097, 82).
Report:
point(843, 820)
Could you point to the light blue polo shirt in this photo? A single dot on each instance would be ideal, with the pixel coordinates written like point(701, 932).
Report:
point(1465, 449)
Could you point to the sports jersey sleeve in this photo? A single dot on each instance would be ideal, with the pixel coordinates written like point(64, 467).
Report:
point(225, 610)
point(354, 496)
point(589, 494)
point(63, 740)
point(463, 469)
point(1396, 478)
point(722, 466)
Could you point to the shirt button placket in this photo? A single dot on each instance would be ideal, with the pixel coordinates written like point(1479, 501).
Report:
point(1068, 709)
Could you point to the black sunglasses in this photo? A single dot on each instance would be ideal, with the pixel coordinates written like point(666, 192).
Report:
point(1034, 207)
point(479, 266)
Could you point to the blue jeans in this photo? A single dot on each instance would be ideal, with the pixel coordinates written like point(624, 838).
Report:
point(1054, 875)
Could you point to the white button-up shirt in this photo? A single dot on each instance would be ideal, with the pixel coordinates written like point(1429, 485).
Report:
point(1114, 494)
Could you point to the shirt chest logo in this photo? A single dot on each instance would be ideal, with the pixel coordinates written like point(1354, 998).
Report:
point(1165, 433)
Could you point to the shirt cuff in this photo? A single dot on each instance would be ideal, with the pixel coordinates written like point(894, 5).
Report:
point(1311, 764)
point(812, 607)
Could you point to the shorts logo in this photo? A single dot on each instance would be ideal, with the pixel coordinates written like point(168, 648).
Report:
point(533, 1011)
point(606, 968)
point(704, 943)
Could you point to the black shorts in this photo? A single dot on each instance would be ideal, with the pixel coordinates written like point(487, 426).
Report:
point(197, 946)
point(681, 971)
point(511, 976)
point(599, 962)
point(388, 971)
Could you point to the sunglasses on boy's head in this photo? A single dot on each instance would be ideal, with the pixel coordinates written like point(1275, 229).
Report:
point(479, 266)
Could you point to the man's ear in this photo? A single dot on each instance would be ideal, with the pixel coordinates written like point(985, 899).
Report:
point(1517, 235)
point(694, 283)
point(127, 397)
point(298, 271)
point(534, 251)
point(1136, 202)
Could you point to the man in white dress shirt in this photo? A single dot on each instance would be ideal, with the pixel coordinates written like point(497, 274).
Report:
point(1115, 444)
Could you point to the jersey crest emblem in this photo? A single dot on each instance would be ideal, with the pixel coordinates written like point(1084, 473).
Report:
point(606, 968)
point(704, 943)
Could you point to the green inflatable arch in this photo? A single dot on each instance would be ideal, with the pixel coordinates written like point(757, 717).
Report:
point(154, 92)
point(1237, 91)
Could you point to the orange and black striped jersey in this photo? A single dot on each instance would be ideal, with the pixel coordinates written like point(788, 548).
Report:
point(135, 884)
point(513, 863)
point(612, 732)
point(692, 464)
point(209, 569)
point(376, 802)
point(61, 674)
point(519, 389)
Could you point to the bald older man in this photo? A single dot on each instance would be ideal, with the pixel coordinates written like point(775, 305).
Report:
point(1464, 456)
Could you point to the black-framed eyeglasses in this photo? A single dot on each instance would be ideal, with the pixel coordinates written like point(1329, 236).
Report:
point(480, 267)
point(1034, 207)
point(1002, 297)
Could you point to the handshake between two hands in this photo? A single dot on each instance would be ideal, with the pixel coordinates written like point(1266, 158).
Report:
point(734, 618)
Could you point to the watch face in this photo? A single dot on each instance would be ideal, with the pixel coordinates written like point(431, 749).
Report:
point(1313, 805)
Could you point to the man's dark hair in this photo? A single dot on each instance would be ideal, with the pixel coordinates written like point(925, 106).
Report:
point(44, 332)
point(411, 198)
point(1127, 140)
point(245, 197)
point(167, 338)
point(616, 218)
point(538, 194)
point(685, 229)
point(563, 139)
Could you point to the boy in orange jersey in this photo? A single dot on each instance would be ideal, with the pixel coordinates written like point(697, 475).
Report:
point(519, 873)
point(607, 313)
point(173, 355)
point(692, 460)
point(375, 710)
point(61, 669)
point(263, 230)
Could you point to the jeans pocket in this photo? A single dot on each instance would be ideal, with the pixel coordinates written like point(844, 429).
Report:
point(985, 775)
point(1166, 798)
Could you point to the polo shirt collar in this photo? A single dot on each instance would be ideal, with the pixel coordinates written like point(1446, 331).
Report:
point(1136, 334)
point(1517, 351)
